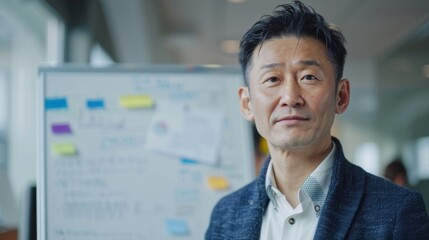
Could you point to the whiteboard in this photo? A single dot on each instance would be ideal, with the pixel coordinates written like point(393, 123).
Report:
point(115, 161)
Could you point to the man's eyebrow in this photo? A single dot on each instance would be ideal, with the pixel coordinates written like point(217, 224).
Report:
point(310, 63)
point(272, 65)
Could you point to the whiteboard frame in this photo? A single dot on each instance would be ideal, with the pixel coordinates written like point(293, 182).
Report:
point(41, 117)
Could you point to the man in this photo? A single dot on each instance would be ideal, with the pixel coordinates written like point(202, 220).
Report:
point(292, 63)
point(396, 172)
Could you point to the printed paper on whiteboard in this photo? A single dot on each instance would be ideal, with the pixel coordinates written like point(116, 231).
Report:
point(186, 132)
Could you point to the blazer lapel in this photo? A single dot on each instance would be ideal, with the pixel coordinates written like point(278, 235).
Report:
point(342, 202)
point(248, 221)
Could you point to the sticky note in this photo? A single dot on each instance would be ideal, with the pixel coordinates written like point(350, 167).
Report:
point(177, 227)
point(188, 161)
point(64, 149)
point(55, 103)
point(136, 101)
point(218, 183)
point(61, 128)
point(95, 104)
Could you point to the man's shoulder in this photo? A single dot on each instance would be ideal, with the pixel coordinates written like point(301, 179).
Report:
point(379, 184)
point(379, 189)
point(397, 209)
point(384, 188)
point(372, 206)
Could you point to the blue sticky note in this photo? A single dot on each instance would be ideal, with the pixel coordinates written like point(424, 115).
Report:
point(55, 103)
point(177, 227)
point(188, 161)
point(95, 103)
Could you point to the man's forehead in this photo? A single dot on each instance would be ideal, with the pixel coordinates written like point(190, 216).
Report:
point(270, 53)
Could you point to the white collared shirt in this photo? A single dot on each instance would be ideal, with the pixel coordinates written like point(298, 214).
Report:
point(281, 220)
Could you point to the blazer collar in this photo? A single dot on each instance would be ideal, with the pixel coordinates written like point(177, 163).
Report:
point(252, 208)
point(342, 202)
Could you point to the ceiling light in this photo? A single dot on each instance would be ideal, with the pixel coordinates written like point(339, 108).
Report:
point(236, 1)
point(230, 46)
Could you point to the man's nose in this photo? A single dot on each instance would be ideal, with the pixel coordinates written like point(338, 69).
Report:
point(291, 94)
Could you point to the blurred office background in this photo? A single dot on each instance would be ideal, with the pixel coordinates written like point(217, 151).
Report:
point(388, 65)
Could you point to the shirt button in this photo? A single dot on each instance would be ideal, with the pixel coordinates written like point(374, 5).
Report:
point(317, 208)
point(291, 221)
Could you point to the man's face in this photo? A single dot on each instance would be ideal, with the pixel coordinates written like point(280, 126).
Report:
point(292, 98)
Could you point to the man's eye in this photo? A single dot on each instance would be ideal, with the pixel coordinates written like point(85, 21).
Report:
point(309, 77)
point(272, 80)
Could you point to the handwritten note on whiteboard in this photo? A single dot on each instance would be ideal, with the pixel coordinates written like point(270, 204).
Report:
point(186, 132)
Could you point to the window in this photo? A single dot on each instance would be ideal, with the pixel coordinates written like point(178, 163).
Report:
point(422, 157)
point(4, 105)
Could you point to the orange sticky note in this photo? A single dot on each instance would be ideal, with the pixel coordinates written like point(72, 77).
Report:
point(218, 183)
point(136, 101)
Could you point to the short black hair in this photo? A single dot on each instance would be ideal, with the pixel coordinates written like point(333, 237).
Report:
point(294, 19)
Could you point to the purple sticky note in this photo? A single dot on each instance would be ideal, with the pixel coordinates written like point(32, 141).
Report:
point(61, 128)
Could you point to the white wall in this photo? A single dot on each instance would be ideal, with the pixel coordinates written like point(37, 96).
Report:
point(357, 127)
point(26, 22)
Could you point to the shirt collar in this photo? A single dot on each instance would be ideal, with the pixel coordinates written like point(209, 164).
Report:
point(315, 186)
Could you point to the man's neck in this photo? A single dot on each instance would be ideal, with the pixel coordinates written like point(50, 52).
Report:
point(292, 168)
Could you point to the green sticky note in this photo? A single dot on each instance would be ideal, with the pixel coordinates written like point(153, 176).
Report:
point(64, 149)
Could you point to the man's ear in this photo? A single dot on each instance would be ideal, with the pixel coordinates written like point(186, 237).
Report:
point(245, 103)
point(342, 96)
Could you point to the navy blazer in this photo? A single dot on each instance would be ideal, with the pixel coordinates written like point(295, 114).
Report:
point(359, 205)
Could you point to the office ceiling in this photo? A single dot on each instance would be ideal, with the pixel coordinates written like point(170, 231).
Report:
point(193, 31)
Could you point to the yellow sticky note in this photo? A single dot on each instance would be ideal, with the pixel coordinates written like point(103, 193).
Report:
point(64, 149)
point(136, 101)
point(218, 183)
